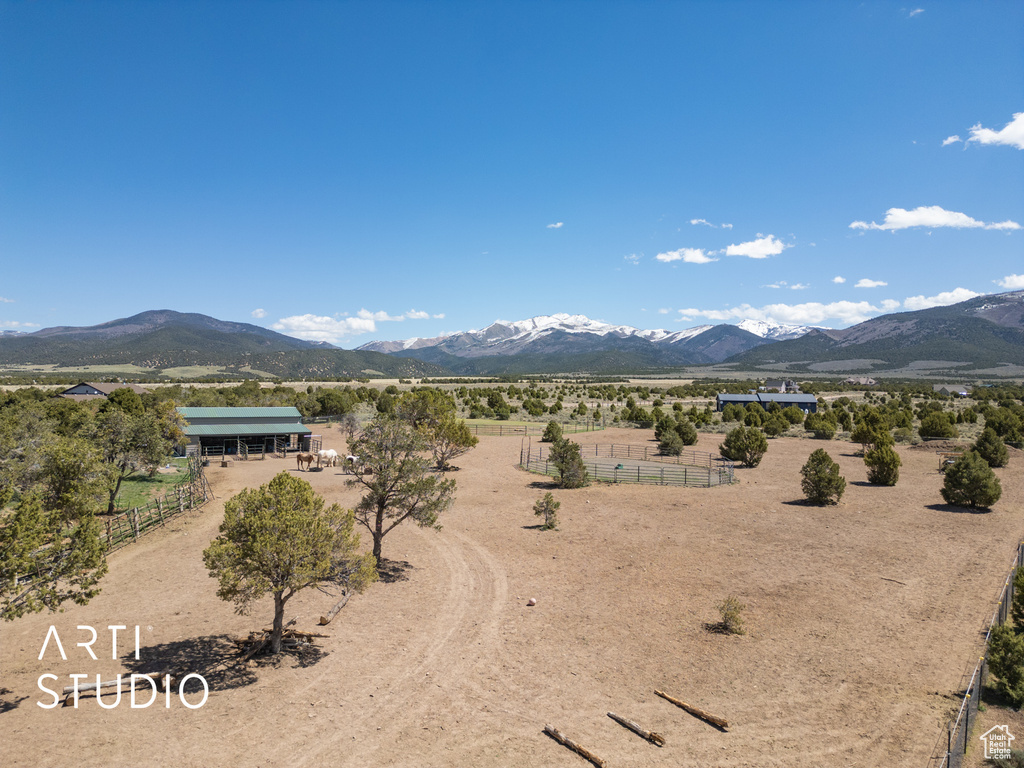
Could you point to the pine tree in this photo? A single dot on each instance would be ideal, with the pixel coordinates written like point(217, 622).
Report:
point(548, 509)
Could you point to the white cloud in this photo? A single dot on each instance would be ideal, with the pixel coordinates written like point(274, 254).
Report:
point(940, 300)
point(335, 329)
point(556, 225)
point(438, 316)
point(799, 286)
point(1011, 282)
point(865, 283)
point(1012, 134)
point(664, 311)
point(761, 248)
point(838, 279)
point(689, 255)
point(954, 139)
point(707, 223)
point(632, 258)
point(915, 12)
point(810, 313)
point(16, 325)
point(6, 301)
point(930, 216)
point(775, 285)
point(258, 313)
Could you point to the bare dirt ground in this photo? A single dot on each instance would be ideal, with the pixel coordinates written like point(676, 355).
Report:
point(861, 620)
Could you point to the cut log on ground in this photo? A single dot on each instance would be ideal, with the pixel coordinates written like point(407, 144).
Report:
point(695, 711)
point(654, 738)
point(582, 751)
point(324, 620)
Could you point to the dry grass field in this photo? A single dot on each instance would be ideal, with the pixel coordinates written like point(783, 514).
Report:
point(860, 621)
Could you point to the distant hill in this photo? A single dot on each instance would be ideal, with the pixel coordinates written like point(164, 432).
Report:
point(164, 339)
point(985, 331)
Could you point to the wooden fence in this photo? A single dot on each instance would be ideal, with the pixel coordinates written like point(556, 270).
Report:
point(128, 526)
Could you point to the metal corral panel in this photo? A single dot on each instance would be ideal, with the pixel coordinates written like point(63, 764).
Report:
point(277, 414)
point(241, 430)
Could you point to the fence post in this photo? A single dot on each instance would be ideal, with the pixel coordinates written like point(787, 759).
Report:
point(135, 523)
point(662, 475)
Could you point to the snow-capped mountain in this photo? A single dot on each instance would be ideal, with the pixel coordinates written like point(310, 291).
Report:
point(563, 334)
point(777, 331)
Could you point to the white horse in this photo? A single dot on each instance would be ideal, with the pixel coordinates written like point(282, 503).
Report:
point(353, 464)
point(327, 457)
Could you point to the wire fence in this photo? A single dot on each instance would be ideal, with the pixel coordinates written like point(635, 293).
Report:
point(952, 745)
point(128, 526)
point(619, 463)
point(532, 430)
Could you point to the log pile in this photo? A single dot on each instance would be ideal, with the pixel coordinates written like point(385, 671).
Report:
point(291, 640)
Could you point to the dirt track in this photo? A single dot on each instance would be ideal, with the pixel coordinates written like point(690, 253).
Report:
point(861, 620)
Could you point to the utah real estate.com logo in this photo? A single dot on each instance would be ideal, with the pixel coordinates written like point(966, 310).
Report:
point(997, 742)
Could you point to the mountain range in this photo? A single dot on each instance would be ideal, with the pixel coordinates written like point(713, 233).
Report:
point(561, 342)
point(162, 339)
point(981, 333)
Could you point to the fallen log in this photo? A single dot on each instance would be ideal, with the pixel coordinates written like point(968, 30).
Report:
point(695, 711)
point(654, 738)
point(582, 751)
point(324, 620)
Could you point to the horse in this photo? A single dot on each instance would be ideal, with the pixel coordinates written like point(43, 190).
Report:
point(327, 457)
point(305, 458)
point(353, 464)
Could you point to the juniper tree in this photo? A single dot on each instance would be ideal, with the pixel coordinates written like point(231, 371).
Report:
point(822, 484)
point(970, 482)
point(279, 539)
point(883, 465)
point(747, 446)
point(567, 457)
point(992, 448)
point(399, 485)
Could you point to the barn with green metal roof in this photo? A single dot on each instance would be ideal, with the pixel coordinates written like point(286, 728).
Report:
point(232, 431)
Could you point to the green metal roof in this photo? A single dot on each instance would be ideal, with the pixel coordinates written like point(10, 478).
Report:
point(238, 430)
point(278, 414)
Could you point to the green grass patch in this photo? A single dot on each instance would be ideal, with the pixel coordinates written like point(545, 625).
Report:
point(139, 490)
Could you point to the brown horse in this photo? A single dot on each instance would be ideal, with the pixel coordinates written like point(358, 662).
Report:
point(305, 458)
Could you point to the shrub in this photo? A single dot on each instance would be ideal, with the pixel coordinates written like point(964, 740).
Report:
point(883, 465)
point(731, 611)
point(937, 424)
point(1006, 662)
point(687, 431)
point(821, 425)
point(822, 484)
point(775, 426)
point(548, 509)
point(992, 448)
point(747, 446)
point(552, 433)
point(970, 482)
point(793, 414)
point(671, 443)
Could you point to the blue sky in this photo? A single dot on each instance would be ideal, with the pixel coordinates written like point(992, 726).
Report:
point(350, 171)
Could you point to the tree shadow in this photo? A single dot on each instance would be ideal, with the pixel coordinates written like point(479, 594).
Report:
point(537, 527)
point(544, 485)
point(215, 657)
point(958, 510)
point(8, 701)
point(390, 571)
point(863, 484)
